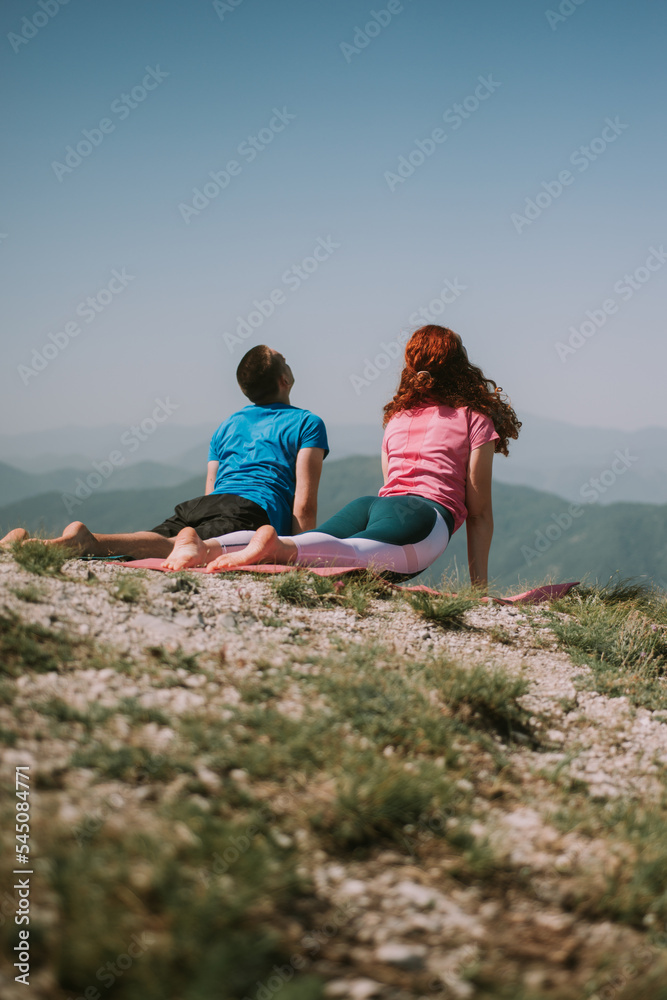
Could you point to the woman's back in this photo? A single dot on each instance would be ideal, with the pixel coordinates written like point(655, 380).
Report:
point(427, 451)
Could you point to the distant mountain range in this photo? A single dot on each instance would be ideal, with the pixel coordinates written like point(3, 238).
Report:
point(15, 484)
point(536, 537)
point(576, 463)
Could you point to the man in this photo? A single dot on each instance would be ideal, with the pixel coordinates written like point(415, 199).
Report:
point(264, 467)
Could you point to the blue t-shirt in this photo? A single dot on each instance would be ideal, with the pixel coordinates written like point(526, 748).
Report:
point(257, 449)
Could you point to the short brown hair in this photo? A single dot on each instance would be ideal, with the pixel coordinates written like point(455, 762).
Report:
point(258, 374)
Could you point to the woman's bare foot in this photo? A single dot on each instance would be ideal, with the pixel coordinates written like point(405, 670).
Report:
point(188, 551)
point(17, 535)
point(265, 547)
point(79, 539)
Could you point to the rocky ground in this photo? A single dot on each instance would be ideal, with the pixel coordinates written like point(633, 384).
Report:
point(523, 906)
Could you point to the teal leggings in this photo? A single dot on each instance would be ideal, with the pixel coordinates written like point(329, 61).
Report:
point(395, 520)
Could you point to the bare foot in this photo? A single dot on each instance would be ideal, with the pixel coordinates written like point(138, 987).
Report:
point(189, 550)
point(81, 541)
point(265, 547)
point(17, 535)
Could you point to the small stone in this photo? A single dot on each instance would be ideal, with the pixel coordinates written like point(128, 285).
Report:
point(404, 956)
point(208, 778)
point(354, 989)
point(185, 836)
point(415, 893)
point(352, 887)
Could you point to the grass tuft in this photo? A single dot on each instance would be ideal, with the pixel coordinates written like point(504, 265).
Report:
point(354, 591)
point(293, 588)
point(37, 557)
point(175, 660)
point(379, 801)
point(183, 583)
point(32, 647)
point(8, 737)
point(59, 710)
point(209, 922)
point(620, 632)
point(447, 612)
point(128, 589)
point(500, 635)
point(30, 594)
point(633, 889)
point(131, 764)
point(486, 697)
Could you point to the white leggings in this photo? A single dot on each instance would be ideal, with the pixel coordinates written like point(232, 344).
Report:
point(317, 549)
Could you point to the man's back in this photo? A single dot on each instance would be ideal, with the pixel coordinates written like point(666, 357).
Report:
point(257, 449)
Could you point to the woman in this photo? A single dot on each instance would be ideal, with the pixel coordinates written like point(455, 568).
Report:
point(442, 429)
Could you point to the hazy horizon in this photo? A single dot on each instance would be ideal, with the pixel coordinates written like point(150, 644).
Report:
point(525, 417)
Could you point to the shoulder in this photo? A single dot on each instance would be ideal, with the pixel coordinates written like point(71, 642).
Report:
point(307, 417)
point(481, 428)
point(235, 417)
point(477, 419)
point(243, 412)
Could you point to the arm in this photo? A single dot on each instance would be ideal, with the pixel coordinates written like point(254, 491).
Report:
point(479, 524)
point(385, 467)
point(211, 475)
point(308, 472)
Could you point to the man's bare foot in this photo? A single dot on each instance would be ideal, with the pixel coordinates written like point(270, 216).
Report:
point(17, 535)
point(188, 551)
point(79, 539)
point(265, 547)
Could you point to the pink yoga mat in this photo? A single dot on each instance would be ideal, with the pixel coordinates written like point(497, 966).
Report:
point(535, 596)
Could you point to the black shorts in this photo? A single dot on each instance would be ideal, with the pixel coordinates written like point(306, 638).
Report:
point(214, 515)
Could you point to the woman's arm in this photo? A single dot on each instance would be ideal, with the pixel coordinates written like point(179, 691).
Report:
point(479, 524)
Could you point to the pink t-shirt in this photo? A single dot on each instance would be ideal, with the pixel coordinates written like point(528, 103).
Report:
point(428, 452)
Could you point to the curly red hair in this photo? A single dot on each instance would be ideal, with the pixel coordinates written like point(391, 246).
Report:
point(437, 371)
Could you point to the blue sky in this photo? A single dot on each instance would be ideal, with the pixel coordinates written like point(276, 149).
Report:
point(332, 123)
